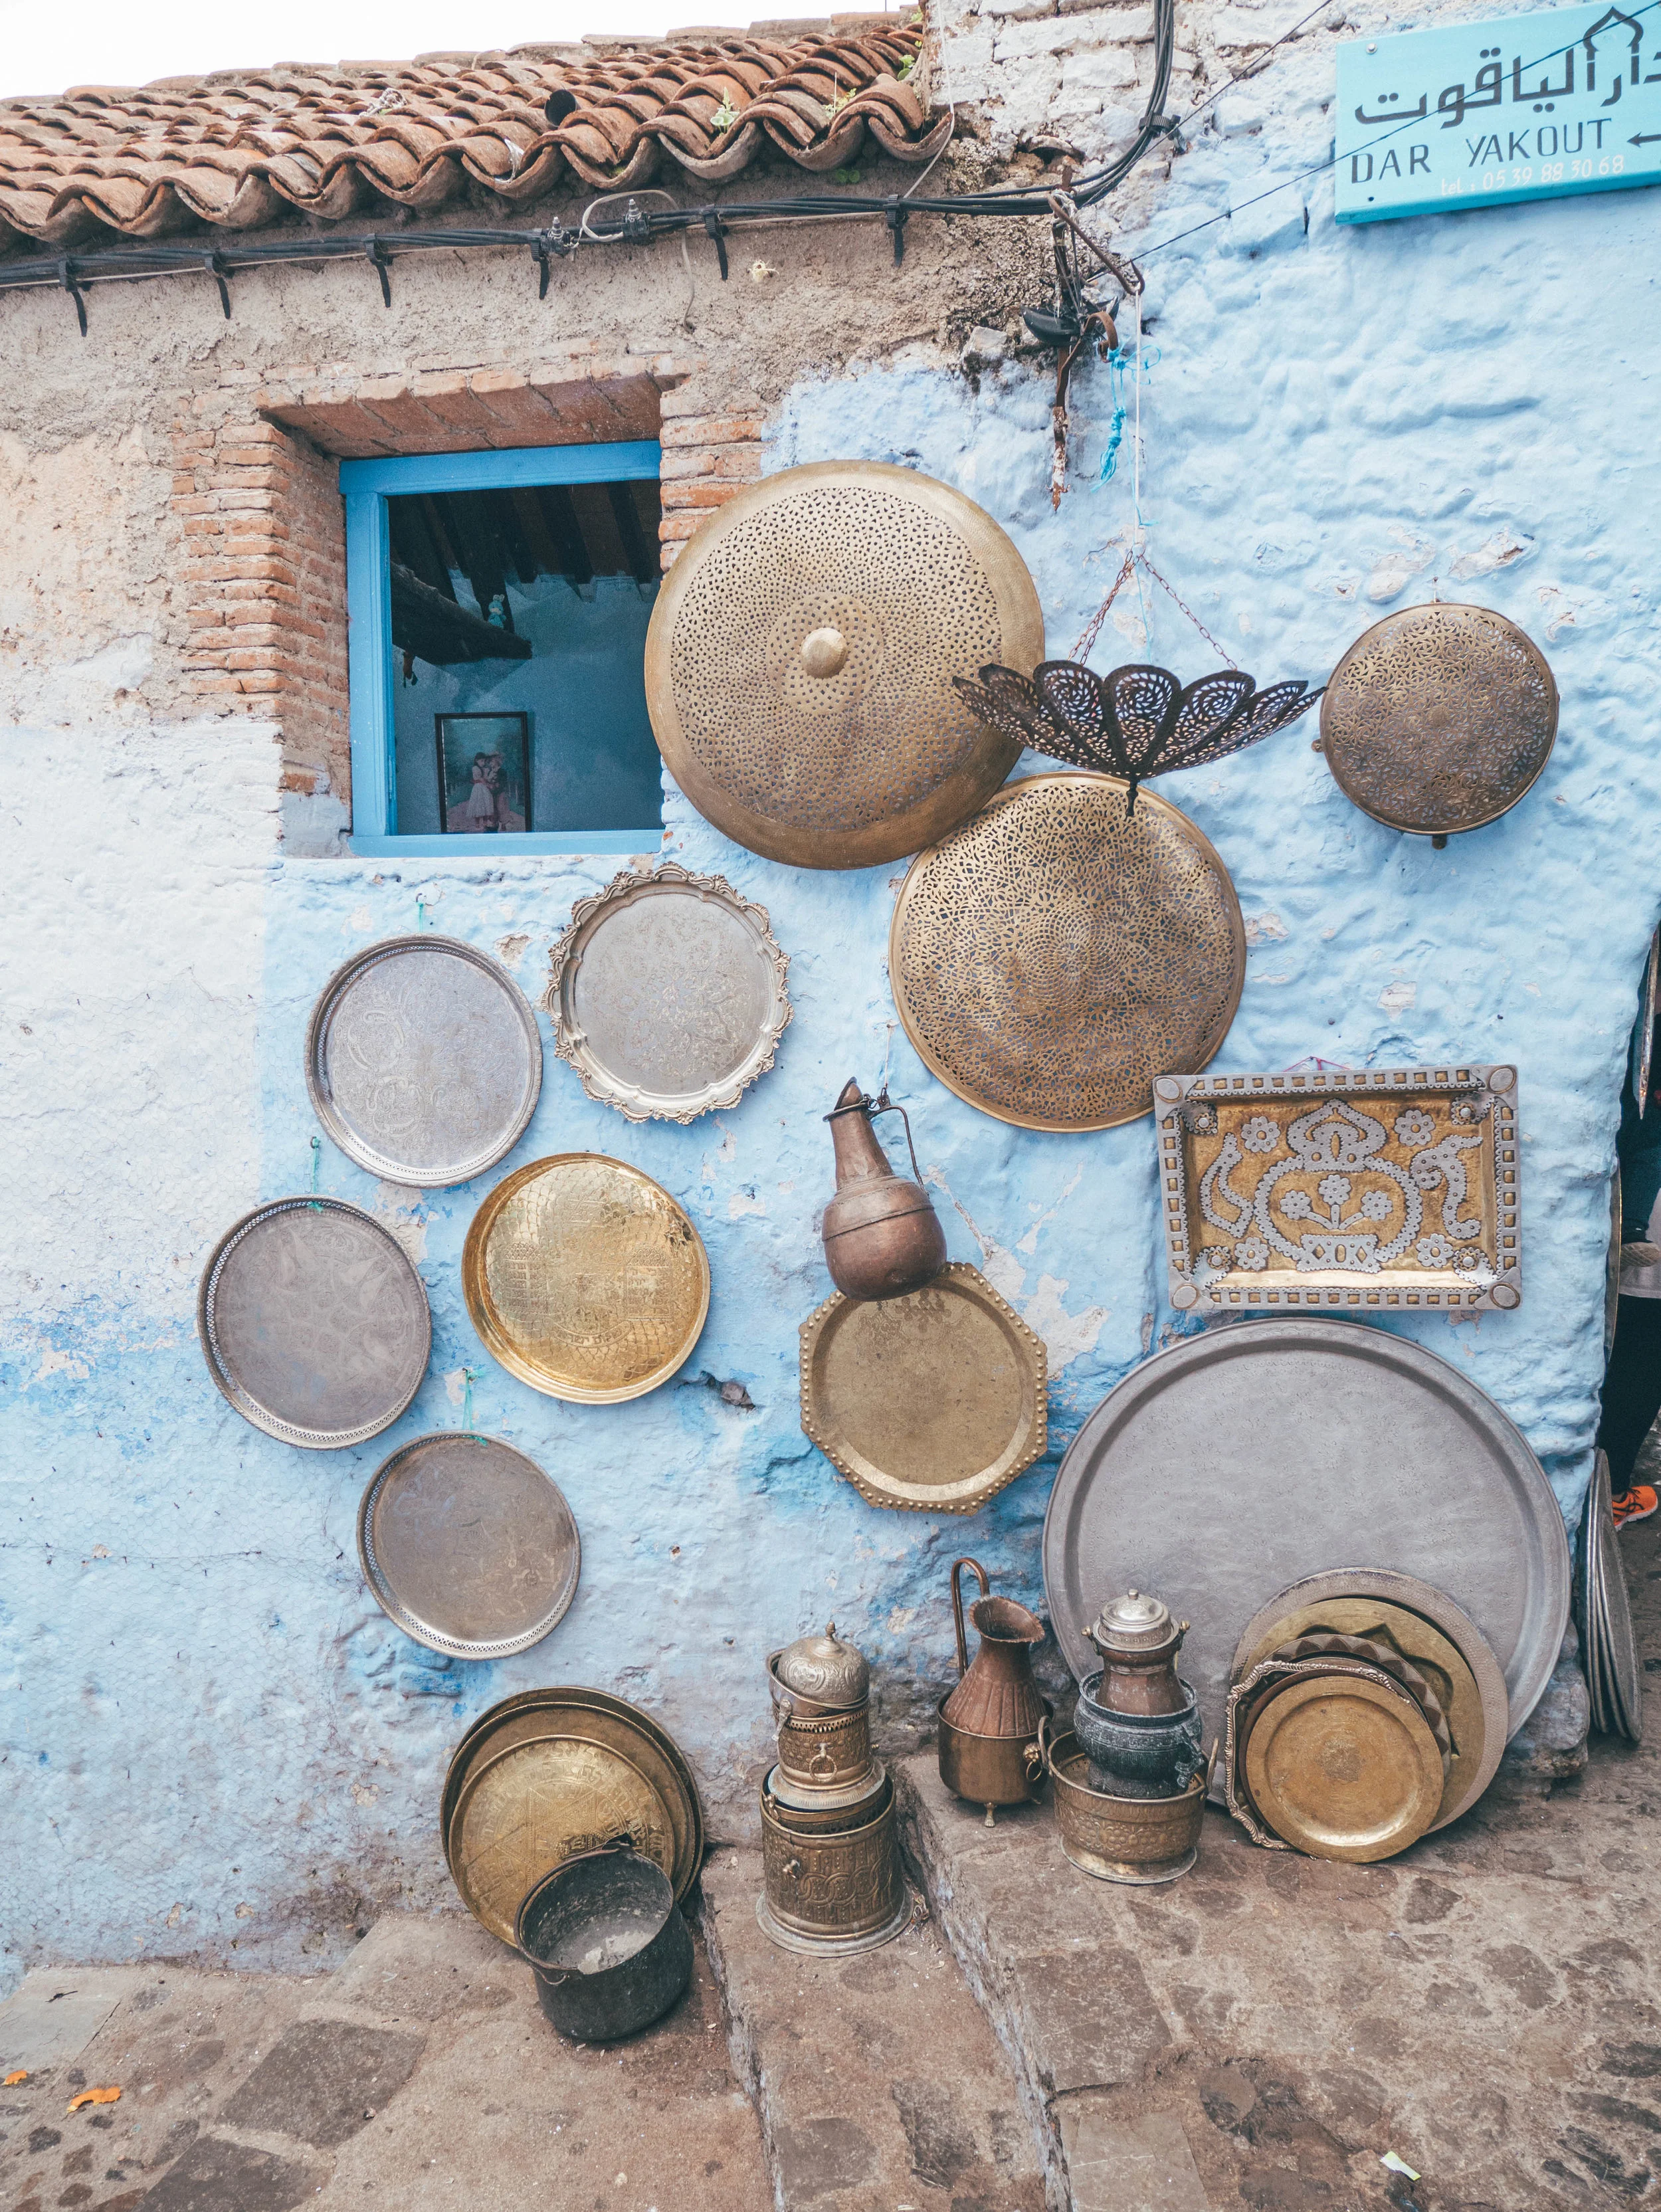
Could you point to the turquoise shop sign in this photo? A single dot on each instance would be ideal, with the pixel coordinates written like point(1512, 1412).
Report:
point(1526, 107)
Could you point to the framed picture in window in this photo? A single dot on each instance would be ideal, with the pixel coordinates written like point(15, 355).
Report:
point(484, 774)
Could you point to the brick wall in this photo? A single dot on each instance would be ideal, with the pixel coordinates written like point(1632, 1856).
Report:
point(256, 497)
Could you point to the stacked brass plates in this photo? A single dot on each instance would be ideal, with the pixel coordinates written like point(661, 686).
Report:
point(468, 1546)
point(1139, 1840)
point(549, 1773)
point(1608, 1651)
point(1439, 719)
point(668, 994)
point(423, 1061)
point(932, 1402)
point(584, 1279)
point(314, 1322)
point(1053, 956)
point(800, 660)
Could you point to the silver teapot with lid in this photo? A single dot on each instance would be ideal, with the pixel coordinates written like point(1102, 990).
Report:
point(1138, 1721)
point(818, 1675)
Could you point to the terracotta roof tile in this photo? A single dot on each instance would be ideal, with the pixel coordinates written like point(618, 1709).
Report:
point(237, 148)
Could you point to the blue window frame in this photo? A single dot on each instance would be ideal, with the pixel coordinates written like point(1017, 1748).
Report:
point(367, 486)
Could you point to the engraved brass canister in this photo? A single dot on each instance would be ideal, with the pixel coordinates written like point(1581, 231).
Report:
point(833, 1892)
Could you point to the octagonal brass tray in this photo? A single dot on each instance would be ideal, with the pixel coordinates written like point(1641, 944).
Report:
point(1439, 719)
point(584, 1279)
point(668, 994)
point(468, 1545)
point(932, 1402)
point(551, 1772)
point(1052, 956)
point(314, 1322)
point(800, 659)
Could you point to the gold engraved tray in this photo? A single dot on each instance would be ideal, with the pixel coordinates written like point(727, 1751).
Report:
point(551, 1772)
point(1054, 955)
point(932, 1402)
point(800, 659)
point(668, 994)
point(584, 1279)
point(468, 1545)
point(1368, 1191)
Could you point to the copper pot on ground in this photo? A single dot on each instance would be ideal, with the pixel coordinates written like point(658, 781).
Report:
point(988, 1724)
point(883, 1235)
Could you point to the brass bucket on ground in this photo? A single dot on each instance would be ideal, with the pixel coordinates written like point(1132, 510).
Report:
point(1130, 1839)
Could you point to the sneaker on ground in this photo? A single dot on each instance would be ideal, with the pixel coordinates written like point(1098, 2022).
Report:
point(1636, 1503)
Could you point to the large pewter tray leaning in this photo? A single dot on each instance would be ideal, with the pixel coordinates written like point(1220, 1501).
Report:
point(1244, 1460)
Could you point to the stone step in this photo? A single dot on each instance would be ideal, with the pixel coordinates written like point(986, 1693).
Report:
point(879, 2083)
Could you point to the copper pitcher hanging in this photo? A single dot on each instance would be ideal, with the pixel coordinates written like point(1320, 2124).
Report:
point(988, 1724)
point(883, 1235)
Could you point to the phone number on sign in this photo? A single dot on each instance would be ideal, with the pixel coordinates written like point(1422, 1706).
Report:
point(1553, 172)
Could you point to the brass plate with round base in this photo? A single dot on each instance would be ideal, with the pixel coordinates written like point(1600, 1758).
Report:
point(830, 1946)
point(799, 662)
point(1439, 719)
point(584, 1279)
point(1427, 1627)
point(932, 1402)
point(1344, 1768)
point(1053, 956)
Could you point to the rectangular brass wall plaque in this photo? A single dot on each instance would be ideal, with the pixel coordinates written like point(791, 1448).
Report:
point(1357, 1190)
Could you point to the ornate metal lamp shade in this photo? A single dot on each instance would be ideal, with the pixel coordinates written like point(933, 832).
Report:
point(1138, 721)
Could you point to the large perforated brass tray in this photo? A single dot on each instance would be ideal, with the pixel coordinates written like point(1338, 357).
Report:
point(932, 1402)
point(800, 659)
point(1439, 719)
point(551, 1772)
point(1052, 956)
point(584, 1279)
point(668, 994)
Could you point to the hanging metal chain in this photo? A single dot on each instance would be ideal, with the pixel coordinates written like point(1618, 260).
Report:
point(1092, 630)
point(1189, 612)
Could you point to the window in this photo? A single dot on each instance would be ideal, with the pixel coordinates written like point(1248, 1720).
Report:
point(499, 605)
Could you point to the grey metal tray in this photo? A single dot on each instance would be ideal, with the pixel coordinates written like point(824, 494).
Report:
point(314, 1322)
point(423, 1061)
point(468, 1545)
point(1244, 1460)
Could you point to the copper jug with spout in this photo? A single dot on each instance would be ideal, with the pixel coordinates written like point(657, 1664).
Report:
point(988, 1724)
point(883, 1235)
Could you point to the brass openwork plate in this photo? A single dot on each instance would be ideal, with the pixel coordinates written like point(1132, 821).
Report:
point(1343, 1767)
point(584, 1279)
point(423, 1061)
point(468, 1546)
point(1385, 1189)
point(314, 1322)
point(1439, 719)
point(552, 1772)
point(800, 659)
point(932, 1402)
point(668, 994)
point(1052, 956)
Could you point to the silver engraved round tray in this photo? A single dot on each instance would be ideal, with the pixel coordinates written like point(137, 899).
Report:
point(423, 1061)
point(468, 1546)
point(314, 1323)
point(1262, 1452)
point(668, 994)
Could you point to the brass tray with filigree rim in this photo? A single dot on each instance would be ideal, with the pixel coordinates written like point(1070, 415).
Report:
point(584, 1279)
point(1053, 956)
point(800, 659)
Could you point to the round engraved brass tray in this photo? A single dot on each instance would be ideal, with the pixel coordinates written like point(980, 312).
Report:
point(423, 1061)
point(932, 1402)
point(584, 1279)
point(551, 1772)
point(800, 659)
point(668, 994)
point(1054, 955)
point(1344, 1766)
point(468, 1546)
point(1439, 719)
point(314, 1322)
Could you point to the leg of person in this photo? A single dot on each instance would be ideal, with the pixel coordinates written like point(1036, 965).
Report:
point(1632, 1399)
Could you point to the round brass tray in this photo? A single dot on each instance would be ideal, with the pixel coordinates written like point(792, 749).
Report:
point(1343, 1767)
point(1439, 719)
point(1053, 956)
point(468, 1546)
point(584, 1279)
point(932, 1402)
point(551, 1772)
point(800, 659)
point(668, 994)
